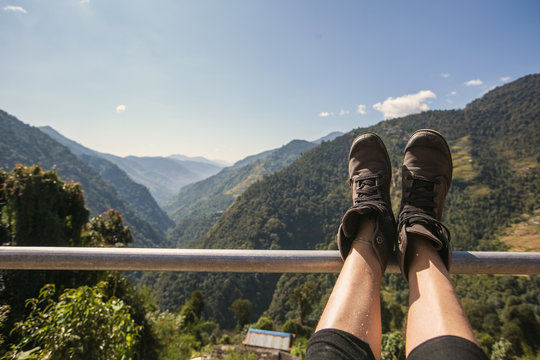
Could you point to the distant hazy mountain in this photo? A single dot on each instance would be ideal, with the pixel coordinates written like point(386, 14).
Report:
point(163, 176)
point(328, 137)
point(21, 143)
point(201, 159)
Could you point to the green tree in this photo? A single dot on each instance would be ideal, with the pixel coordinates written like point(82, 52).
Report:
point(38, 209)
point(190, 314)
point(106, 230)
point(502, 350)
point(264, 323)
point(294, 327)
point(242, 311)
point(304, 297)
point(83, 324)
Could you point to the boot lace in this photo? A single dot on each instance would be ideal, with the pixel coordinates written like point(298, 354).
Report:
point(419, 206)
point(368, 193)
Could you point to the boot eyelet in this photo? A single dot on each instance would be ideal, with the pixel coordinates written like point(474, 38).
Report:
point(379, 240)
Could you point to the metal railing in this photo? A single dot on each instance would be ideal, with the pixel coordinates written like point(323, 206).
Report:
point(264, 261)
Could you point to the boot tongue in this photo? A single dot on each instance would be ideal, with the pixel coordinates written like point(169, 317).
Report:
point(421, 230)
point(423, 196)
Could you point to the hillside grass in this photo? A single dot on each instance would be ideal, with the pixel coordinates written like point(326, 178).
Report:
point(254, 175)
point(462, 159)
point(524, 165)
point(524, 235)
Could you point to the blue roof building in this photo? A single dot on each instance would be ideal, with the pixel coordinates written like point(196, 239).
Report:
point(269, 339)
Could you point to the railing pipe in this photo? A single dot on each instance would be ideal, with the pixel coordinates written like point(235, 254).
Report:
point(263, 261)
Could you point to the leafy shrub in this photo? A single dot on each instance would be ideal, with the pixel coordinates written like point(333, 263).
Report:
point(295, 327)
point(264, 323)
point(393, 346)
point(82, 324)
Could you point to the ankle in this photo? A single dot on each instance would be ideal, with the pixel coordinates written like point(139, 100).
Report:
point(362, 245)
point(421, 255)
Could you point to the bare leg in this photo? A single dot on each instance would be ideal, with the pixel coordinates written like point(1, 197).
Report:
point(434, 308)
point(354, 305)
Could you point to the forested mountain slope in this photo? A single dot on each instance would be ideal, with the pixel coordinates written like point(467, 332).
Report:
point(131, 192)
point(20, 143)
point(217, 192)
point(495, 142)
point(198, 206)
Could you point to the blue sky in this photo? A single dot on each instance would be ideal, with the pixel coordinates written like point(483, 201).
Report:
point(227, 79)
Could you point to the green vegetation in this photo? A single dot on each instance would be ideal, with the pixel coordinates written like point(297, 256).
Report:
point(185, 333)
point(63, 329)
point(393, 346)
point(38, 209)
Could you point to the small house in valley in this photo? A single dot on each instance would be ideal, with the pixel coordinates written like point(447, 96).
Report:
point(268, 339)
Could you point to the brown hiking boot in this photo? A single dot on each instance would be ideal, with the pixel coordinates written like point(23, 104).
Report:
point(426, 177)
point(369, 176)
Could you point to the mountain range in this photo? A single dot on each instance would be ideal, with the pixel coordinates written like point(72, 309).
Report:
point(125, 191)
point(197, 203)
point(163, 176)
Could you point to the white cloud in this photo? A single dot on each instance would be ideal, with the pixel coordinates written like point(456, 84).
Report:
point(361, 109)
point(474, 82)
point(18, 9)
point(453, 93)
point(85, 1)
point(344, 112)
point(445, 75)
point(326, 114)
point(405, 105)
point(505, 78)
point(121, 108)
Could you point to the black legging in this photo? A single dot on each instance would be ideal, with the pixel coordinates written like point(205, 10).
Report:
point(340, 345)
